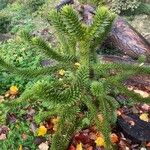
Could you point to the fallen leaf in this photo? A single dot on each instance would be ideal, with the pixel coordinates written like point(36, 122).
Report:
point(79, 146)
point(43, 146)
point(20, 147)
point(24, 136)
point(92, 136)
point(148, 144)
point(77, 64)
point(141, 64)
point(12, 97)
point(11, 118)
point(145, 107)
point(118, 113)
point(90, 148)
point(7, 94)
point(100, 141)
point(100, 117)
point(2, 136)
point(114, 138)
point(4, 129)
point(83, 137)
point(144, 117)
point(72, 148)
point(132, 123)
point(142, 93)
point(55, 123)
point(13, 90)
point(42, 130)
point(61, 72)
point(143, 148)
point(31, 111)
point(60, 79)
point(130, 88)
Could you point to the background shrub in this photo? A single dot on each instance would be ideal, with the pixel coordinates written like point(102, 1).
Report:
point(123, 5)
point(33, 5)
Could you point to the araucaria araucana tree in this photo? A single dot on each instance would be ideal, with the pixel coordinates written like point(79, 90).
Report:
point(79, 80)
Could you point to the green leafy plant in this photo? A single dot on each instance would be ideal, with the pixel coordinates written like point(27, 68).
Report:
point(144, 8)
point(17, 52)
point(17, 131)
point(79, 81)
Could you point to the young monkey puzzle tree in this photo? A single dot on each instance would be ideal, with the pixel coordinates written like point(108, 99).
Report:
point(80, 82)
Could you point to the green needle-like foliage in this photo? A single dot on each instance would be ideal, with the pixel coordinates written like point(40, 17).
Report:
point(78, 84)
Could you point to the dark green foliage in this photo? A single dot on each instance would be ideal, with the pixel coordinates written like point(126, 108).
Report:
point(4, 22)
point(75, 81)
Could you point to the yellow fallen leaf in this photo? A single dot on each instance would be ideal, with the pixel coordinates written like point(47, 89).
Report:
point(100, 117)
point(13, 90)
point(100, 141)
point(20, 147)
point(61, 72)
point(77, 64)
point(42, 130)
point(144, 117)
point(79, 147)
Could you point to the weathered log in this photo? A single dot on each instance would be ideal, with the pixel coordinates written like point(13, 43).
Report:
point(139, 132)
point(64, 2)
point(125, 38)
